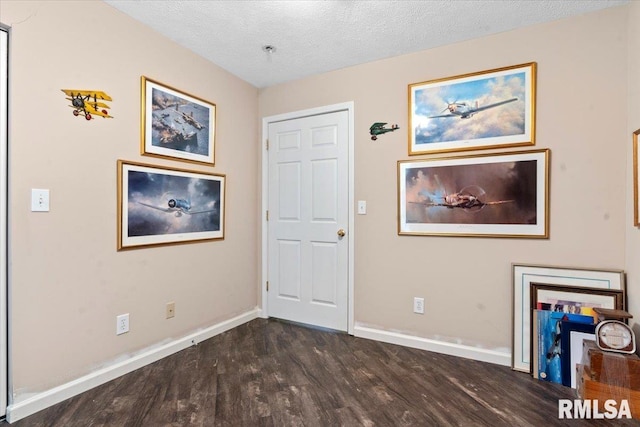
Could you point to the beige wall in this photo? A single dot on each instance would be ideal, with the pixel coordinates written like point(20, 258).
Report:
point(67, 280)
point(632, 233)
point(466, 282)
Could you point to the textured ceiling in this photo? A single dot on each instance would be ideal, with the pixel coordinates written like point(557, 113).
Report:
point(312, 37)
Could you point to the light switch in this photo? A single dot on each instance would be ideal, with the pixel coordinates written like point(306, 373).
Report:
point(362, 207)
point(39, 200)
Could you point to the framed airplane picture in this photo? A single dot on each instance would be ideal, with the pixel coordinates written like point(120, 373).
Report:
point(490, 195)
point(177, 125)
point(487, 109)
point(160, 206)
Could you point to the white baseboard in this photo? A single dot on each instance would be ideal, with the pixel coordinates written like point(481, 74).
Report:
point(33, 404)
point(468, 352)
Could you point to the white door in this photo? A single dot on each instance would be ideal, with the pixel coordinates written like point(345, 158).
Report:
point(308, 208)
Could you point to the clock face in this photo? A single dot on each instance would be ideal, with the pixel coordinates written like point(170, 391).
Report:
point(612, 335)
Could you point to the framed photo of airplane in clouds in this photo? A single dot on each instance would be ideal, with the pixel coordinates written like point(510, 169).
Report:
point(487, 109)
point(177, 125)
point(160, 206)
point(490, 195)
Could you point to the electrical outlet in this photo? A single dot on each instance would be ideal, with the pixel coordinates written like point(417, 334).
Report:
point(171, 309)
point(418, 305)
point(122, 324)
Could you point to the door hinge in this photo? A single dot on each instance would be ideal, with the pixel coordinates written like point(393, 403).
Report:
point(267, 286)
point(267, 145)
point(267, 215)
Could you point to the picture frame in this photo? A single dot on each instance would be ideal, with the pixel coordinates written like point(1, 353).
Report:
point(573, 336)
point(636, 179)
point(482, 195)
point(176, 125)
point(158, 205)
point(575, 302)
point(481, 110)
point(525, 274)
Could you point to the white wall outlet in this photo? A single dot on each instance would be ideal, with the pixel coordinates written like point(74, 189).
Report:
point(171, 309)
point(418, 305)
point(39, 200)
point(122, 324)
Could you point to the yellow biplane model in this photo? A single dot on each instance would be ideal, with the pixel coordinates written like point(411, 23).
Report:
point(86, 102)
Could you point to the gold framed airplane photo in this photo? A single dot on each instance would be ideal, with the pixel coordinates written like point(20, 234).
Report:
point(177, 125)
point(487, 109)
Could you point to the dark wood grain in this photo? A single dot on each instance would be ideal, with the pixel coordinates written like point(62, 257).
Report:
point(273, 373)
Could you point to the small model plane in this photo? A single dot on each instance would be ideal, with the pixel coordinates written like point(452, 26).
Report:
point(470, 198)
point(88, 103)
point(179, 207)
point(379, 129)
point(466, 111)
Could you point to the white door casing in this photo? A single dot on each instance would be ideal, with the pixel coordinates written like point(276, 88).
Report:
point(308, 192)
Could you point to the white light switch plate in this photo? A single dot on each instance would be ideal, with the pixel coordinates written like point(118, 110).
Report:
point(39, 200)
point(362, 207)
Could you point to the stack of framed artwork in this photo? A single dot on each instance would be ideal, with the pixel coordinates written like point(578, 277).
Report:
point(564, 290)
point(485, 195)
point(161, 205)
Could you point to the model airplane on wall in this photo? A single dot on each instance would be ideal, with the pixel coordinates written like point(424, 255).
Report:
point(85, 102)
point(179, 207)
point(379, 129)
point(466, 111)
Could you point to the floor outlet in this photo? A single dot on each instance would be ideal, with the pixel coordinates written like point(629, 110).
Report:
point(418, 305)
point(171, 310)
point(122, 324)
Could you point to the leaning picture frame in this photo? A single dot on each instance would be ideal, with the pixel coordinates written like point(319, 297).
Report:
point(525, 274)
point(483, 195)
point(176, 125)
point(636, 179)
point(159, 205)
point(487, 109)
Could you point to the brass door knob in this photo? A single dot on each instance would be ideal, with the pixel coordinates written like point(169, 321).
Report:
point(341, 232)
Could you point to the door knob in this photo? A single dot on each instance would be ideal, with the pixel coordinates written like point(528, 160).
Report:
point(341, 232)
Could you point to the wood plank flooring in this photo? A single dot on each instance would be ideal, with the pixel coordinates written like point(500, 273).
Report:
point(273, 373)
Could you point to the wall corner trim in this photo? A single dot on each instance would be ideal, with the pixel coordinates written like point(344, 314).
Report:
point(468, 352)
point(35, 403)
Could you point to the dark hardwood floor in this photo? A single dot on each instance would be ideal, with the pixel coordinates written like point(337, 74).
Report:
point(273, 373)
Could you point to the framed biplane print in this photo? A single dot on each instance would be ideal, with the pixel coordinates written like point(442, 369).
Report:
point(160, 205)
point(498, 195)
point(177, 125)
point(636, 179)
point(487, 109)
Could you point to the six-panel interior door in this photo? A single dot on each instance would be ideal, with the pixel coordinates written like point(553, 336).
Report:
point(308, 218)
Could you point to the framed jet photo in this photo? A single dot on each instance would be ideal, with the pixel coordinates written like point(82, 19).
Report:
point(160, 206)
point(487, 109)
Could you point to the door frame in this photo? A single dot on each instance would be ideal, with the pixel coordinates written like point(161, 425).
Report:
point(266, 121)
point(4, 229)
